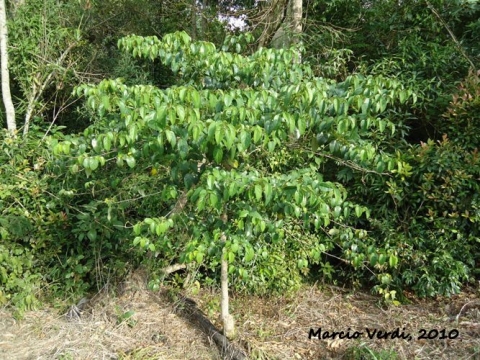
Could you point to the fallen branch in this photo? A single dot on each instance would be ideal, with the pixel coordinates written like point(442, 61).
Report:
point(188, 308)
point(173, 268)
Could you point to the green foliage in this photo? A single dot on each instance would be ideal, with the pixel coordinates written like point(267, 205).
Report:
point(428, 217)
point(305, 168)
point(217, 135)
point(18, 285)
point(423, 45)
point(447, 211)
point(26, 221)
point(44, 55)
point(462, 119)
point(50, 229)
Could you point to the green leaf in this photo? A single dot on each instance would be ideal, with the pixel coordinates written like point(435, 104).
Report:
point(381, 125)
point(106, 102)
point(182, 94)
point(107, 143)
point(268, 193)
point(219, 133)
point(93, 164)
point(172, 115)
point(249, 254)
point(130, 161)
point(161, 228)
point(232, 190)
point(92, 234)
point(262, 225)
point(245, 140)
point(336, 105)
point(258, 192)
point(181, 112)
point(393, 261)
point(161, 116)
point(182, 148)
point(211, 130)
point(137, 229)
point(337, 211)
point(66, 147)
point(366, 106)
point(271, 146)
point(302, 125)
point(358, 211)
point(383, 104)
point(201, 200)
point(257, 134)
point(227, 99)
point(218, 154)
point(241, 114)
point(213, 199)
point(234, 247)
point(195, 99)
point(171, 137)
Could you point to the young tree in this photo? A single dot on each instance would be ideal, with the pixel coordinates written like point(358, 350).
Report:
point(241, 142)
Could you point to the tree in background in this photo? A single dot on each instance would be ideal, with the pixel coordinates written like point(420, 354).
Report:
point(7, 97)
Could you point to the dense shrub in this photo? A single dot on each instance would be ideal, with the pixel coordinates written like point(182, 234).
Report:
point(462, 119)
point(53, 236)
point(429, 212)
point(27, 219)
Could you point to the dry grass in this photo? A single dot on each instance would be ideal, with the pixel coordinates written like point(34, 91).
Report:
point(269, 328)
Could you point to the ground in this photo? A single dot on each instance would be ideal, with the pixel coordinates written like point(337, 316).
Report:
point(142, 325)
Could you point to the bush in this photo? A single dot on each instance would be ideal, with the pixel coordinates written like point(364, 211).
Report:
point(462, 119)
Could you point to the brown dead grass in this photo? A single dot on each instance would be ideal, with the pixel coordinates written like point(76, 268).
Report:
point(268, 328)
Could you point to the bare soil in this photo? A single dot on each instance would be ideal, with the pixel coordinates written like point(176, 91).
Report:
point(139, 324)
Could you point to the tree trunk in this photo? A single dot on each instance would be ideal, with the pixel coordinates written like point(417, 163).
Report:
point(272, 17)
point(289, 31)
point(297, 9)
point(7, 96)
point(228, 322)
point(193, 20)
point(297, 12)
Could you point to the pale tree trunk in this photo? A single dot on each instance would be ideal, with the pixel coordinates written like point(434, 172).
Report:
point(194, 19)
point(297, 9)
point(228, 321)
point(203, 23)
point(281, 21)
point(271, 17)
point(7, 96)
point(289, 31)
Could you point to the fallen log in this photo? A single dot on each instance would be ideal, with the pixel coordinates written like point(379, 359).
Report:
point(189, 309)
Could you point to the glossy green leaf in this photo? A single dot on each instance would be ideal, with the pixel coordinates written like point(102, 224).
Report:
point(218, 154)
point(258, 192)
point(130, 161)
point(93, 164)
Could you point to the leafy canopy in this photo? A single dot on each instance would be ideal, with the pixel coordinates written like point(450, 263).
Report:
point(239, 146)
